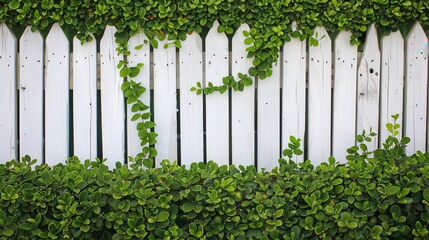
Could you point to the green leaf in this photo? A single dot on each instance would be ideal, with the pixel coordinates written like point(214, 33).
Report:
point(248, 41)
point(134, 71)
point(26, 226)
point(279, 213)
point(8, 232)
point(426, 194)
point(135, 117)
point(187, 207)
point(352, 225)
point(148, 163)
point(149, 124)
point(376, 230)
point(162, 216)
point(392, 190)
point(14, 4)
point(124, 71)
point(125, 85)
point(153, 43)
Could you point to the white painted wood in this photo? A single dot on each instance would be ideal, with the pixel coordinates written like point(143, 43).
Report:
point(319, 99)
point(165, 109)
point(85, 99)
point(57, 97)
point(31, 95)
point(217, 119)
point(369, 87)
point(8, 107)
point(138, 56)
point(344, 100)
point(294, 87)
point(269, 120)
point(392, 81)
point(112, 100)
point(191, 104)
point(415, 125)
point(243, 105)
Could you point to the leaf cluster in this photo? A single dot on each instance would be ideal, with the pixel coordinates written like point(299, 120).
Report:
point(380, 194)
point(271, 21)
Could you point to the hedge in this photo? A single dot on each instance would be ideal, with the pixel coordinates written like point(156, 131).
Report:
point(380, 194)
point(270, 20)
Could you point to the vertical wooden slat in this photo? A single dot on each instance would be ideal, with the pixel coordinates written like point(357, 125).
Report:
point(112, 100)
point(344, 101)
point(369, 87)
point(269, 120)
point(294, 87)
point(137, 56)
point(31, 95)
point(319, 99)
point(191, 104)
point(57, 97)
point(8, 108)
point(416, 89)
point(392, 81)
point(217, 109)
point(243, 107)
point(164, 71)
point(85, 99)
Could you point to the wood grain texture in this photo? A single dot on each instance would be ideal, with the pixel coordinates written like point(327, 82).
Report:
point(369, 87)
point(217, 106)
point(191, 104)
point(57, 97)
point(31, 47)
point(319, 99)
point(243, 105)
point(165, 108)
point(8, 95)
point(416, 89)
point(112, 100)
point(85, 99)
point(269, 120)
point(344, 100)
point(392, 81)
point(294, 88)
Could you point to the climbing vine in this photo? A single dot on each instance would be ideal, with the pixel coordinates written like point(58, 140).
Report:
point(270, 24)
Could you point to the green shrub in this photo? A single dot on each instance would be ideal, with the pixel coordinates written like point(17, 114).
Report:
point(381, 194)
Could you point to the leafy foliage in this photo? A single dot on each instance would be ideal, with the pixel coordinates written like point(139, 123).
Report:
point(380, 194)
point(271, 21)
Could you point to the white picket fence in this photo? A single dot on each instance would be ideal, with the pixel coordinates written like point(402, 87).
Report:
point(343, 94)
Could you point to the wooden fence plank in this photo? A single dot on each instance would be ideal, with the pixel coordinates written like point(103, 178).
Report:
point(344, 101)
point(243, 105)
point(369, 87)
point(137, 56)
point(8, 104)
point(31, 95)
point(319, 99)
point(416, 89)
point(57, 97)
point(392, 81)
point(269, 120)
point(191, 104)
point(165, 109)
point(85, 99)
point(294, 87)
point(112, 100)
point(217, 109)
